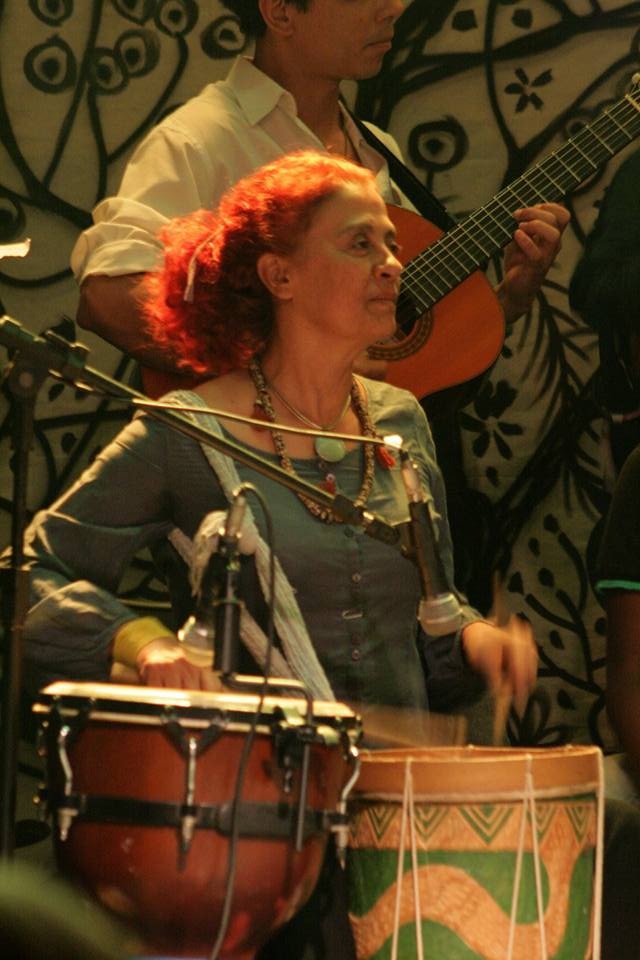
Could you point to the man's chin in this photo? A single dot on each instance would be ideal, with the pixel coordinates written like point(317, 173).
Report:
point(368, 68)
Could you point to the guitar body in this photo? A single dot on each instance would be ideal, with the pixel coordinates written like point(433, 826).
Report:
point(463, 333)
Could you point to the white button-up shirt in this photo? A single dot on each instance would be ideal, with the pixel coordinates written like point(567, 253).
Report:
point(196, 153)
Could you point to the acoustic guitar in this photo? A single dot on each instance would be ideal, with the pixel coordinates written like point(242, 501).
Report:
point(450, 324)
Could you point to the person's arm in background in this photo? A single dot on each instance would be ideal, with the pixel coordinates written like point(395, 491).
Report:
point(166, 177)
point(623, 671)
point(110, 307)
point(618, 582)
point(605, 286)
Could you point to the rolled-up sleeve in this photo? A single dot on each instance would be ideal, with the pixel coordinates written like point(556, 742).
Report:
point(79, 549)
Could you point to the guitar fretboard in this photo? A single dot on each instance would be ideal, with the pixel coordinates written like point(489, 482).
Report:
point(466, 247)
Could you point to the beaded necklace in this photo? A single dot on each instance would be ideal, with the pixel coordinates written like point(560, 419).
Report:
point(357, 398)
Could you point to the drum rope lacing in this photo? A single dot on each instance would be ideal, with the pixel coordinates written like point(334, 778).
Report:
point(528, 803)
point(408, 813)
point(528, 796)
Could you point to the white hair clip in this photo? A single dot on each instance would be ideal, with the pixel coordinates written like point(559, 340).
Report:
point(187, 296)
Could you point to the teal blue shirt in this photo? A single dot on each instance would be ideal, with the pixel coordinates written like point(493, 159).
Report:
point(358, 597)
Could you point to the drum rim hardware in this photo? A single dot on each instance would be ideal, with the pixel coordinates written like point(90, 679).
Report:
point(191, 731)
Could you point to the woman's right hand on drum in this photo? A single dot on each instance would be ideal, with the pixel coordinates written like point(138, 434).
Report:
point(162, 663)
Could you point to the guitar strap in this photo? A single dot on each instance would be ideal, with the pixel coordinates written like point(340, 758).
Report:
point(422, 199)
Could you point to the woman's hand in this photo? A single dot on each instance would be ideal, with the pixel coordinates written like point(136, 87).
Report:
point(505, 655)
point(162, 663)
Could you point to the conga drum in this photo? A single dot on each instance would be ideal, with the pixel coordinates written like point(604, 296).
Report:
point(141, 785)
point(477, 853)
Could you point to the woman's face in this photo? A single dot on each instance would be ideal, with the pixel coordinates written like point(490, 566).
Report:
point(343, 277)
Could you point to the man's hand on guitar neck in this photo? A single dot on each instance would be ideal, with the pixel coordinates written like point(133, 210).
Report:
point(535, 245)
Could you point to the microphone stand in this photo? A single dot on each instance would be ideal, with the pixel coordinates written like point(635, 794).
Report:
point(23, 378)
point(34, 358)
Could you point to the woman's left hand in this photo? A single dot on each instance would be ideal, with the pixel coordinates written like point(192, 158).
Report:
point(505, 655)
point(535, 245)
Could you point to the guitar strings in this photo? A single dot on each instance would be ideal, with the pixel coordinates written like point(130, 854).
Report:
point(453, 247)
point(417, 268)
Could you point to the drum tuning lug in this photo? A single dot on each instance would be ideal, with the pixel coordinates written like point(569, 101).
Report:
point(187, 827)
point(340, 829)
point(341, 823)
point(289, 747)
point(41, 739)
point(188, 819)
point(65, 820)
point(40, 802)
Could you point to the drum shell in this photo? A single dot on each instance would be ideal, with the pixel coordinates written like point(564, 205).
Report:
point(468, 805)
point(138, 871)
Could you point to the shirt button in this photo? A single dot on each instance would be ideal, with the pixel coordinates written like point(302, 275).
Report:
point(355, 655)
point(356, 577)
point(353, 614)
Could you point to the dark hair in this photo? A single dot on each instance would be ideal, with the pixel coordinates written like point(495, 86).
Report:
point(248, 13)
point(227, 315)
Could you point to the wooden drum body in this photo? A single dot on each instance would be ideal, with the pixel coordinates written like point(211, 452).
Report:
point(141, 781)
point(477, 854)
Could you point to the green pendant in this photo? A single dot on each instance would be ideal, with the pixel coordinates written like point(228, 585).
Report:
point(329, 450)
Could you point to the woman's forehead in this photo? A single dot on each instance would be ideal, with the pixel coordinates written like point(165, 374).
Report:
point(353, 203)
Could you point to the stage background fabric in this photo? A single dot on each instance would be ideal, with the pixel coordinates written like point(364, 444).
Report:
point(475, 93)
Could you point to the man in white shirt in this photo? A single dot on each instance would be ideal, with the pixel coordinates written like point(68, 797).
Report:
point(287, 98)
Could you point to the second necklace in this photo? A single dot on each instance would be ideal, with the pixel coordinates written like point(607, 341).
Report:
point(329, 449)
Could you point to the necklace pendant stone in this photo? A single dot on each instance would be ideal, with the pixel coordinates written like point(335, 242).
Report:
point(330, 450)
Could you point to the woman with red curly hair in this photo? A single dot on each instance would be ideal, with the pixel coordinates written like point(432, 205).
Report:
point(272, 299)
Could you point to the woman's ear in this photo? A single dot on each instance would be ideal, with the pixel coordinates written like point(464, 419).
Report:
point(277, 16)
point(274, 273)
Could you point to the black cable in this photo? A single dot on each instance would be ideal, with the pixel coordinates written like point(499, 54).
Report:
point(248, 744)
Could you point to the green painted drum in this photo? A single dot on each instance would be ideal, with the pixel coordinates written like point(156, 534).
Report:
point(477, 853)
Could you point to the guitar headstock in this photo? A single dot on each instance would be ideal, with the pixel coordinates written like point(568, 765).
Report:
point(634, 87)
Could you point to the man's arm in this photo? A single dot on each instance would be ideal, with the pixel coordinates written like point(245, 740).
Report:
point(605, 286)
point(111, 307)
point(623, 671)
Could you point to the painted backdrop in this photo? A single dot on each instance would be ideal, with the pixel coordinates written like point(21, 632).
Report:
point(475, 93)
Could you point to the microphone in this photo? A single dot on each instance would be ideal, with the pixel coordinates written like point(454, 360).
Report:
point(439, 611)
point(226, 601)
point(212, 632)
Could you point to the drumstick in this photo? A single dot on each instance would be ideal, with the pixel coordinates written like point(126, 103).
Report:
point(396, 727)
point(503, 695)
point(503, 699)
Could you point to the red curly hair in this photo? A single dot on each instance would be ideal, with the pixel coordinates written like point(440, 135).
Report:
point(230, 315)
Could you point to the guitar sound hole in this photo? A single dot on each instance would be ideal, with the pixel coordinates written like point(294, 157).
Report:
point(413, 326)
point(407, 315)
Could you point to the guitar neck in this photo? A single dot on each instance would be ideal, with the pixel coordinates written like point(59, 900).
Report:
point(465, 248)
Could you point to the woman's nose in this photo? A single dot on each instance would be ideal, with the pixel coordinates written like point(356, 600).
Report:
point(390, 266)
point(390, 8)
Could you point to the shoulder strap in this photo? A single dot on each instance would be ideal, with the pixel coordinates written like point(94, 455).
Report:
point(422, 199)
